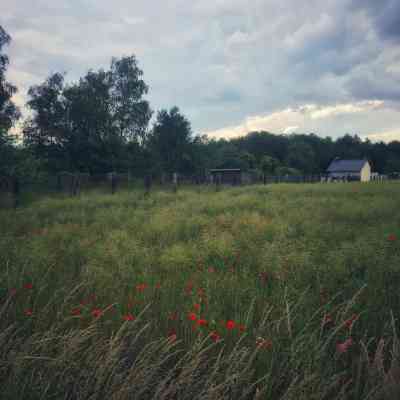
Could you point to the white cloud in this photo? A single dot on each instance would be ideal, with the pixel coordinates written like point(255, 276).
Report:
point(304, 118)
point(350, 108)
point(290, 129)
point(386, 136)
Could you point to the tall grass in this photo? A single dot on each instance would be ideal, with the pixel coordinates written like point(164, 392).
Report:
point(296, 288)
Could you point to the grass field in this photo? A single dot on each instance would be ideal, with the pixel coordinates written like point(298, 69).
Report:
point(277, 291)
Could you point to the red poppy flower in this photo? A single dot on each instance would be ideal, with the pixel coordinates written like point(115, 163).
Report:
point(189, 288)
point(172, 335)
point(343, 347)
point(215, 336)
point(28, 312)
point(263, 277)
point(230, 324)
point(392, 237)
point(141, 287)
point(192, 316)
point(128, 317)
point(327, 319)
point(76, 311)
point(28, 286)
point(241, 328)
point(97, 313)
point(173, 316)
point(349, 322)
point(202, 322)
point(196, 306)
point(264, 343)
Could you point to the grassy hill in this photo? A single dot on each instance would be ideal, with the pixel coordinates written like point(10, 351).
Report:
point(280, 291)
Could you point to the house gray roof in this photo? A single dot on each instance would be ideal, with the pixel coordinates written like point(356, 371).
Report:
point(338, 165)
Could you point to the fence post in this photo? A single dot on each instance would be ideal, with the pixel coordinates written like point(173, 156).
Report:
point(147, 184)
point(217, 181)
point(113, 183)
point(175, 182)
point(16, 191)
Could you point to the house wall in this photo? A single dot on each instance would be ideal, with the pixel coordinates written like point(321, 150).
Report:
point(366, 173)
point(344, 175)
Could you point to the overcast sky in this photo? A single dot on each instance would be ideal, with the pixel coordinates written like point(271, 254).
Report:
point(231, 66)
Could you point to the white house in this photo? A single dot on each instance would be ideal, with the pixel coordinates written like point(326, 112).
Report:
point(359, 170)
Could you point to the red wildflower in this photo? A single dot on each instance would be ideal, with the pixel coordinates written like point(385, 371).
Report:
point(349, 322)
point(158, 285)
point(211, 270)
point(189, 288)
point(241, 328)
point(263, 277)
point(13, 292)
point(28, 312)
point(28, 286)
point(264, 343)
point(192, 316)
point(327, 319)
point(128, 317)
point(141, 287)
point(172, 335)
point(76, 311)
point(173, 316)
point(343, 347)
point(230, 324)
point(392, 237)
point(215, 336)
point(97, 313)
point(196, 306)
point(202, 322)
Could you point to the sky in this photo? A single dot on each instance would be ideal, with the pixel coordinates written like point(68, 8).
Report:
point(232, 66)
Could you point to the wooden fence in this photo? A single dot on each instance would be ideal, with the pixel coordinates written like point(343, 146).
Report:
point(73, 184)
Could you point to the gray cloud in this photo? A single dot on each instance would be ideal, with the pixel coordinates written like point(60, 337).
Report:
point(220, 61)
point(385, 15)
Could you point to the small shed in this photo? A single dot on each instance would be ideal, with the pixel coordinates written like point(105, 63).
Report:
point(225, 176)
point(358, 170)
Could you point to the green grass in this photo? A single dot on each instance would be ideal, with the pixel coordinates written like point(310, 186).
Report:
point(276, 259)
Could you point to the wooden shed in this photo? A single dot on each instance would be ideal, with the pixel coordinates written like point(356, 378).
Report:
point(226, 176)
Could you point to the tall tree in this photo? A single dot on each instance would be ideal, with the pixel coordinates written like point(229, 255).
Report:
point(171, 142)
point(88, 124)
point(45, 133)
point(9, 113)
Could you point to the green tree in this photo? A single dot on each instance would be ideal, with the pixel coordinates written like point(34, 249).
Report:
point(268, 166)
point(171, 142)
point(301, 156)
point(9, 113)
point(87, 125)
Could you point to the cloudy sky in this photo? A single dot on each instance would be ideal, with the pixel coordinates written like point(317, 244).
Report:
point(231, 66)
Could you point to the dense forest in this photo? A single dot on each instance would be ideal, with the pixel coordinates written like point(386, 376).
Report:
point(102, 123)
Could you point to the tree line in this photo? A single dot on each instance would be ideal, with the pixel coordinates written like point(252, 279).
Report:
point(102, 123)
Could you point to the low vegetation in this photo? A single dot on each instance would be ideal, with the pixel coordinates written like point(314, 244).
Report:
point(283, 292)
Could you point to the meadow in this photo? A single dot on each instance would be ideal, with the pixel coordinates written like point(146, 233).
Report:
point(281, 291)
